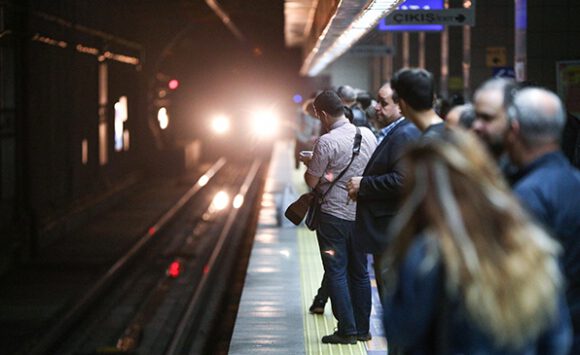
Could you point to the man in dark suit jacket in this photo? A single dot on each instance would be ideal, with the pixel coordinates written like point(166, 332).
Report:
point(547, 184)
point(377, 191)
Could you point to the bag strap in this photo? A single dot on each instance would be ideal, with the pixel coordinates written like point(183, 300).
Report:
point(355, 151)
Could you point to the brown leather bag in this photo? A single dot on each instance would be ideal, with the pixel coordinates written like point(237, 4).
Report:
point(297, 209)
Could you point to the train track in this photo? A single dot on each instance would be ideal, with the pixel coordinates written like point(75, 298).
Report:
point(163, 295)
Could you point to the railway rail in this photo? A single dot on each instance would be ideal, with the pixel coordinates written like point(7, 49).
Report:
point(163, 295)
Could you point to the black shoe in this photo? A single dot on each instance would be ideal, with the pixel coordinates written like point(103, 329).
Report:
point(364, 337)
point(317, 306)
point(336, 338)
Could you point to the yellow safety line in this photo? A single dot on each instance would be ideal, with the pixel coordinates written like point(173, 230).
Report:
point(311, 271)
point(316, 326)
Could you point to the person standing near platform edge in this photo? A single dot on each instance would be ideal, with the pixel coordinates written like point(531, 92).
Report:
point(378, 190)
point(345, 268)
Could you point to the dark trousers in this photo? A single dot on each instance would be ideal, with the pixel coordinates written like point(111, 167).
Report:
point(345, 275)
point(378, 268)
point(322, 292)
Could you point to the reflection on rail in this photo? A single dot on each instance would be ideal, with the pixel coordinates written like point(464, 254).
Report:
point(182, 332)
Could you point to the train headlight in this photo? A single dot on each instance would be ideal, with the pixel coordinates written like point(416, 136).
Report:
point(265, 123)
point(220, 124)
point(220, 201)
point(163, 118)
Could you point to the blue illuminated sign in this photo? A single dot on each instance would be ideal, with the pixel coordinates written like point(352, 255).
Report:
point(504, 72)
point(521, 14)
point(414, 5)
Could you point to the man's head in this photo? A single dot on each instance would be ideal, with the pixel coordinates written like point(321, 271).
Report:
point(536, 120)
point(328, 107)
point(364, 99)
point(490, 102)
point(462, 116)
point(308, 107)
point(347, 94)
point(388, 110)
point(414, 88)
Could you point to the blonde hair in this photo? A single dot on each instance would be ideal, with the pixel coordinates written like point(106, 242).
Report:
point(497, 262)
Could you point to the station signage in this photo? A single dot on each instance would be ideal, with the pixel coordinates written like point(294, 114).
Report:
point(496, 57)
point(504, 72)
point(412, 5)
point(371, 50)
point(447, 17)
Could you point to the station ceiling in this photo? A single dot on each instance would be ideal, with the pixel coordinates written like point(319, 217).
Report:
point(327, 29)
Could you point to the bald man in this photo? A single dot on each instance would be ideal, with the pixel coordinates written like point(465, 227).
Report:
point(547, 185)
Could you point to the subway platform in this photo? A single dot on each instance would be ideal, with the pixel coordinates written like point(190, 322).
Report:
point(283, 275)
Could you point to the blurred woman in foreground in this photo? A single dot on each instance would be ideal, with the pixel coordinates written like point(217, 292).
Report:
point(468, 272)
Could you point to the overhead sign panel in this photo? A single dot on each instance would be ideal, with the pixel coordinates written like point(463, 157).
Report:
point(413, 5)
point(371, 50)
point(447, 17)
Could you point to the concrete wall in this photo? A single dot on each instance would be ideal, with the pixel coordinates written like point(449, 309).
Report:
point(553, 32)
point(494, 28)
point(350, 70)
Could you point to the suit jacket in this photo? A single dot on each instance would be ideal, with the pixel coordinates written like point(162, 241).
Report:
point(380, 188)
point(549, 187)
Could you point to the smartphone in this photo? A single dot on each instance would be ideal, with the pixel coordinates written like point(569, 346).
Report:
point(306, 154)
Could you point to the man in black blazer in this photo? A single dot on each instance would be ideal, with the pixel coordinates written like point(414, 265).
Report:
point(377, 192)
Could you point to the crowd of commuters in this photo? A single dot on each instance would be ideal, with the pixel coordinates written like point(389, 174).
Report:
point(471, 213)
point(469, 272)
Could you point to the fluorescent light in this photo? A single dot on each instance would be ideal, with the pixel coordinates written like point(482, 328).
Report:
point(365, 21)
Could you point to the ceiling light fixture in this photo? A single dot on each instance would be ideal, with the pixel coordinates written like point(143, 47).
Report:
point(337, 41)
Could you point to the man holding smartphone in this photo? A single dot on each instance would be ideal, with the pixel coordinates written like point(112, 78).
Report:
point(346, 274)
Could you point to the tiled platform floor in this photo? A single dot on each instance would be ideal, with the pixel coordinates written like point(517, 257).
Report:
point(283, 275)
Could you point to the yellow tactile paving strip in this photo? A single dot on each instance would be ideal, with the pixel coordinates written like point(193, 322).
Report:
point(316, 326)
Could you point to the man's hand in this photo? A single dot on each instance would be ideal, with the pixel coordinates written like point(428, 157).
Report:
point(305, 160)
point(305, 156)
point(353, 186)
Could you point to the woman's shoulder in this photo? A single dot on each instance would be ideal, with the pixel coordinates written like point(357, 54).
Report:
point(423, 245)
point(422, 258)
